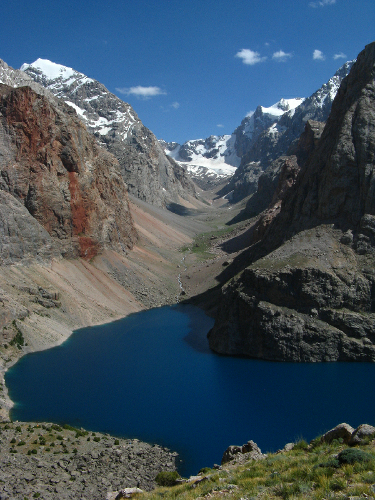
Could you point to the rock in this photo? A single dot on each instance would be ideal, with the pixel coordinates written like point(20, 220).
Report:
point(248, 451)
point(341, 431)
point(362, 434)
point(287, 447)
point(128, 493)
point(347, 237)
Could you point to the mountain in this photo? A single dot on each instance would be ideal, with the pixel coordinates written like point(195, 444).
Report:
point(60, 192)
point(214, 160)
point(150, 175)
point(272, 132)
point(209, 162)
point(305, 291)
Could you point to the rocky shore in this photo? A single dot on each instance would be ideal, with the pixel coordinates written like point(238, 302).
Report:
point(50, 461)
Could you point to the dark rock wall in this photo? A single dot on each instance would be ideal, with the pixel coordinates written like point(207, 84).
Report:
point(309, 293)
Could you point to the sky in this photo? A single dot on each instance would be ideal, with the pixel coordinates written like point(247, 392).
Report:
point(192, 68)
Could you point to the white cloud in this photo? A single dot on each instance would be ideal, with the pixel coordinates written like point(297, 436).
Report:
point(341, 55)
point(318, 55)
point(220, 125)
point(250, 57)
point(175, 105)
point(142, 92)
point(281, 56)
point(322, 3)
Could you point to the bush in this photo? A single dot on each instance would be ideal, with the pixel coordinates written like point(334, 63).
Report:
point(96, 439)
point(167, 478)
point(117, 442)
point(204, 470)
point(353, 455)
point(301, 445)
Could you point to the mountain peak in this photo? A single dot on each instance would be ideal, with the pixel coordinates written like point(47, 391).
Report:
point(52, 71)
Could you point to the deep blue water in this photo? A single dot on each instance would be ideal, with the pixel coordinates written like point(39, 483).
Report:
point(152, 376)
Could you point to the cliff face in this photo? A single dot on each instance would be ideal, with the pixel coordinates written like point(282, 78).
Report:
point(308, 293)
point(54, 168)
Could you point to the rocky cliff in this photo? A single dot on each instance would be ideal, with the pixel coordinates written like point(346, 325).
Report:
point(308, 291)
point(68, 193)
point(149, 173)
point(272, 132)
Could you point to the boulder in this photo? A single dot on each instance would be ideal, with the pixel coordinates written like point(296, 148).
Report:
point(362, 434)
point(249, 450)
point(341, 431)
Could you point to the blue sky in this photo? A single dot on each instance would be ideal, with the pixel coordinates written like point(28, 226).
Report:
point(192, 68)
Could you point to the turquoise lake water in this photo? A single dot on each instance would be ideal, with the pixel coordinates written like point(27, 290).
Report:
point(151, 376)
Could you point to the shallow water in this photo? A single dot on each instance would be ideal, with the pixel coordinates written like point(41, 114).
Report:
point(152, 376)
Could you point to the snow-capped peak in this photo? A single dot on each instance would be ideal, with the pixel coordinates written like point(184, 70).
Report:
point(282, 106)
point(53, 71)
point(50, 69)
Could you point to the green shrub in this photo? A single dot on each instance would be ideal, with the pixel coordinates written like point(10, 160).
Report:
point(301, 445)
point(96, 439)
point(13, 440)
point(353, 455)
point(167, 478)
point(117, 442)
point(204, 470)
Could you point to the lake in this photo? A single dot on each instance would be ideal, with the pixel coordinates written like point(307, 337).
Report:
point(152, 376)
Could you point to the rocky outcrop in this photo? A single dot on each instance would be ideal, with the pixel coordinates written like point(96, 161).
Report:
point(55, 169)
point(361, 435)
point(150, 175)
point(288, 170)
point(308, 294)
point(241, 454)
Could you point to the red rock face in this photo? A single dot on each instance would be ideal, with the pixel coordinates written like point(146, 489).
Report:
point(66, 181)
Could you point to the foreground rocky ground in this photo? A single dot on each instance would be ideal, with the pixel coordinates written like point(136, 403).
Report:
point(49, 461)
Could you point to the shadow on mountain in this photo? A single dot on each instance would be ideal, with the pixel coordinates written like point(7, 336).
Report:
point(178, 209)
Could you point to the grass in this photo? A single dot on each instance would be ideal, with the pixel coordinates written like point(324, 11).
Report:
point(306, 472)
point(202, 242)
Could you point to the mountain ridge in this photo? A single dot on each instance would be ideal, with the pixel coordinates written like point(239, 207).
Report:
point(149, 174)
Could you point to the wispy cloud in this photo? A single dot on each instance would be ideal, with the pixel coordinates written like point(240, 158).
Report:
point(220, 125)
point(341, 55)
point(142, 92)
point(175, 105)
point(322, 3)
point(250, 57)
point(318, 55)
point(281, 56)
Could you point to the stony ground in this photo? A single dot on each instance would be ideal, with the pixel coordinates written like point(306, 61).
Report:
point(49, 461)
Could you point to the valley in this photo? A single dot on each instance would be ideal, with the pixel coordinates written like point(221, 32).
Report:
point(99, 219)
